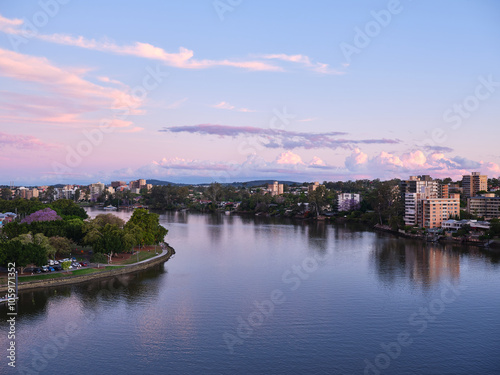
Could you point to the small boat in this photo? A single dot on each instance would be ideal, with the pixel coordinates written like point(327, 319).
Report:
point(110, 208)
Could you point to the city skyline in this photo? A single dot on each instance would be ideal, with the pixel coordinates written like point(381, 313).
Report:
point(237, 91)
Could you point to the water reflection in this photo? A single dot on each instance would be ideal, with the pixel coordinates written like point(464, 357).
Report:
point(317, 234)
point(422, 263)
point(154, 320)
point(124, 288)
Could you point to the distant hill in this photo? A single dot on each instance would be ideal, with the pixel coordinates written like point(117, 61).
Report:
point(159, 182)
point(261, 182)
point(235, 184)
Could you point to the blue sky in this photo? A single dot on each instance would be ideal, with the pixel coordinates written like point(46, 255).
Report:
point(235, 90)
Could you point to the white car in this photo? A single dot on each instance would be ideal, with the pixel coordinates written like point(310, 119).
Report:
point(51, 262)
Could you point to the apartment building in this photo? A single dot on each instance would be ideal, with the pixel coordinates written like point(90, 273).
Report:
point(97, 188)
point(443, 191)
point(313, 187)
point(434, 211)
point(423, 185)
point(275, 188)
point(487, 206)
point(137, 185)
point(473, 183)
point(27, 193)
point(414, 190)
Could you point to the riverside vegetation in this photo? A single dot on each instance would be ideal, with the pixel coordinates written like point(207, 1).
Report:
point(47, 230)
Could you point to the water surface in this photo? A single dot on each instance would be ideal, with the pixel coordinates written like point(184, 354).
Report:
point(340, 295)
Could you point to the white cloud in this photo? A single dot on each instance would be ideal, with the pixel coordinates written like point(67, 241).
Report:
point(226, 105)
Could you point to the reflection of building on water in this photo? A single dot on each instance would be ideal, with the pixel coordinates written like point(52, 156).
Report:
point(422, 263)
point(429, 265)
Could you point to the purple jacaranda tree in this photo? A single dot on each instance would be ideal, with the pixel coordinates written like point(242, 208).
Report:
point(47, 214)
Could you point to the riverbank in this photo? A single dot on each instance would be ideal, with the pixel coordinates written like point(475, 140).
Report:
point(165, 255)
point(492, 244)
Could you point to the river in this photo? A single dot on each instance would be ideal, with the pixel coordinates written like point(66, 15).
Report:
point(246, 295)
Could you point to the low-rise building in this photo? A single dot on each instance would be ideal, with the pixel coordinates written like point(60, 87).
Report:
point(487, 206)
point(452, 225)
point(116, 184)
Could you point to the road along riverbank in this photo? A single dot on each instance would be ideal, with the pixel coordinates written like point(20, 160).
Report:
point(165, 255)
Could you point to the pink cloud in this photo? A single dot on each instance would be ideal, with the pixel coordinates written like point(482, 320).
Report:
point(60, 95)
point(492, 167)
point(22, 142)
point(226, 105)
point(317, 161)
point(131, 130)
point(177, 103)
point(304, 61)
point(289, 157)
point(388, 158)
point(387, 164)
point(223, 105)
point(416, 158)
point(183, 59)
point(10, 26)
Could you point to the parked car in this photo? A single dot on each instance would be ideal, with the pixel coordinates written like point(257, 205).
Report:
point(51, 262)
point(57, 268)
point(76, 264)
point(51, 269)
point(45, 269)
point(37, 270)
point(56, 262)
point(84, 264)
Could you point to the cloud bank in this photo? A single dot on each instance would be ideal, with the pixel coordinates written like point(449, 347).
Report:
point(275, 138)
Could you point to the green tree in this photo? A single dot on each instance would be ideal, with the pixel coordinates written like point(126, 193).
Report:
point(153, 232)
point(6, 193)
point(62, 245)
point(99, 258)
point(77, 195)
point(38, 239)
point(66, 207)
point(317, 199)
point(22, 254)
point(387, 203)
point(48, 194)
point(214, 192)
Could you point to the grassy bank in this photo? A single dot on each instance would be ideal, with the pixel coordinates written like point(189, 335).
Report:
point(84, 271)
point(143, 255)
